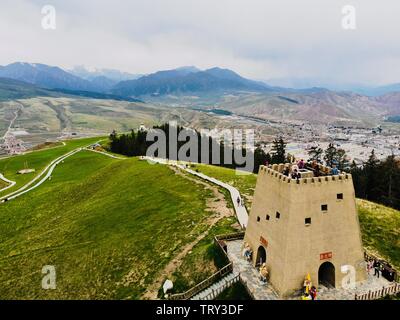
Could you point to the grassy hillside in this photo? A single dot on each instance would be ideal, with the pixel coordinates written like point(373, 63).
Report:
point(244, 183)
point(105, 225)
point(380, 227)
point(36, 160)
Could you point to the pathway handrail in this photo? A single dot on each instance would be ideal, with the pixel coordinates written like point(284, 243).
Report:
point(203, 285)
point(379, 293)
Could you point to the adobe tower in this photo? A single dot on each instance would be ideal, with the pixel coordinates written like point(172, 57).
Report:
point(307, 225)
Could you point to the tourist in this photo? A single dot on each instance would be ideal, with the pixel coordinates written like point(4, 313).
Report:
point(247, 252)
point(377, 267)
point(263, 272)
point(313, 293)
point(370, 265)
point(301, 164)
point(307, 284)
point(317, 172)
point(335, 170)
point(295, 174)
point(286, 171)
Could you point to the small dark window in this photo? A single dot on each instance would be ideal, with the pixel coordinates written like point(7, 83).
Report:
point(258, 219)
point(278, 215)
point(339, 196)
point(267, 217)
point(307, 221)
point(324, 207)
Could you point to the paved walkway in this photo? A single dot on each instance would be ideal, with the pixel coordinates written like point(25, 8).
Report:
point(249, 274)
point(240, 210)
point(263, 291)
point(106, 154)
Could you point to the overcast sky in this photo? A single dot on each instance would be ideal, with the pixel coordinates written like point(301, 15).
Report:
point(260, 39)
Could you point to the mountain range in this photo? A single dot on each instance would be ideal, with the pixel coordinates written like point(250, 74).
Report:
point(188, 79)
point(194, 88)
point(184, 80)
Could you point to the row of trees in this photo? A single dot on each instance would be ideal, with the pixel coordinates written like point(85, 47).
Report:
point(331, 156)
point(135, 144)
point(378, 181)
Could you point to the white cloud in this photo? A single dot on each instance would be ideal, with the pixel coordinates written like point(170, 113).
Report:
point(258, 38)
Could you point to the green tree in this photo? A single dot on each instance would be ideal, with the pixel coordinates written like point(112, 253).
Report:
point(330, 155)
point(315, 153)
point(372, 179)
point(278, 151)
point(342, 160)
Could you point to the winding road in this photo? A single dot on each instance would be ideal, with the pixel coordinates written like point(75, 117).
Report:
point(44, 175)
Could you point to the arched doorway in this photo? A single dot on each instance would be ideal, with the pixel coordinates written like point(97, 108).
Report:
point(261, 256)
point(326, 274)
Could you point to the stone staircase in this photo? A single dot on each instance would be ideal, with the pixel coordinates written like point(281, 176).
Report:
point(214, 290)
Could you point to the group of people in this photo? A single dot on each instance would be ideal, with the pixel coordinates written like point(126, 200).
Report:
point(294, 173)
point(374, 264)
point(309, 291)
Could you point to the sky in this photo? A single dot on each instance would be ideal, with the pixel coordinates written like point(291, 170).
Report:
point(261, 39)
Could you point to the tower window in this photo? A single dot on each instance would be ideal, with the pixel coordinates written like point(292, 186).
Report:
point(324, 207)
point(339, 196)
point(307, 221)
point(267, 217)
point(258, 219)
point(278, 215)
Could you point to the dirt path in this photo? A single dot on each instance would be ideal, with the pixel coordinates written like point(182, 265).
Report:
point(218, 206)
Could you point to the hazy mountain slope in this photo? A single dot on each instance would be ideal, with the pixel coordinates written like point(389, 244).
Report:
point(13, 89)
point(391, 102)
point(321, 106)
point(181, 81)
point(45, 76)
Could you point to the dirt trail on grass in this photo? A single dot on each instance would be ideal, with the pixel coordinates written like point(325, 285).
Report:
point(216, 204)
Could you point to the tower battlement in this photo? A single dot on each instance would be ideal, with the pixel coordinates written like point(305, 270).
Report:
point(306, 176)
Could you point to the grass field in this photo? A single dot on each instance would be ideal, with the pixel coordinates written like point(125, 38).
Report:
point(37, 160)
point(3, 184)
point(244, 183)
point(380, 228)
point(103, 223)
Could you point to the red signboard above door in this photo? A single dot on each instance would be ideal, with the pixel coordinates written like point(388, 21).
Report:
point(325, 255)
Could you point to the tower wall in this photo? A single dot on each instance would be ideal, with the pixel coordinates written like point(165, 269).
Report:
point(293, 248)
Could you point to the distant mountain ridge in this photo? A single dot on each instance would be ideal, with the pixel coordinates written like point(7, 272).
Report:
point(44, 76)
point(187, 80)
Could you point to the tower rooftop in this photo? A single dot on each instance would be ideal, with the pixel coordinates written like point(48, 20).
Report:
point(306, 175)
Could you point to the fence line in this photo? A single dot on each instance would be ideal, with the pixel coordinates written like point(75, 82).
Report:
point(216, 276)
point(380, 293)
